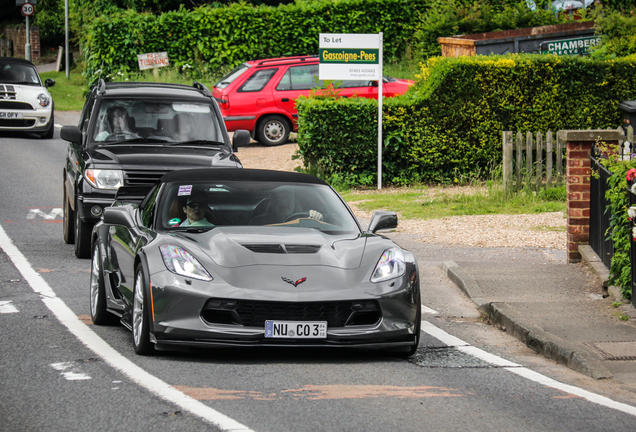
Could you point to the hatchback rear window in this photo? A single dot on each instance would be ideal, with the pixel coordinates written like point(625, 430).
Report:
point(258, 80)
point(231, 76)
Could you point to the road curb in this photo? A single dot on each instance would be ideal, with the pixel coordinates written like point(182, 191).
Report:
point(542, 342)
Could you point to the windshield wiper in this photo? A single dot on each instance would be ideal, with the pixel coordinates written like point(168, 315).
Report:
point(204, 142)
point(136, 140)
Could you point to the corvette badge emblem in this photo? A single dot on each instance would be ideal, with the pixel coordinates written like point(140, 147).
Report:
point(298, 282)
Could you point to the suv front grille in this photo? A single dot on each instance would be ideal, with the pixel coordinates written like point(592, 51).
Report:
point(252, 313)
point(142, 178)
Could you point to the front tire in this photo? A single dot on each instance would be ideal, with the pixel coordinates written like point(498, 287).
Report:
point(49, 133)
point(273, 131)
point(82, 236)
point(99, 313)
point(141, 316)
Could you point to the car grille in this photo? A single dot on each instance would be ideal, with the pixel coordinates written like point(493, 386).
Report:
point(16, 123)
point(141, 178)
point(7, 92)
point(282, 248)
point(5, 104)
point(251, 313)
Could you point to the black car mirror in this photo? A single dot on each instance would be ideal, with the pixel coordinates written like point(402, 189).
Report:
point(383, 220)
point(241, 138)
point(71, 134)
point(49, 82)
point(118, 216)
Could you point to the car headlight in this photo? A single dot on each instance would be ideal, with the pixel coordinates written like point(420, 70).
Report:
point(105, 179)
point(44, 100)
point(179, 261)
point(390, 265)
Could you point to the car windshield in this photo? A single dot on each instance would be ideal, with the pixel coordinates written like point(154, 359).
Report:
point(122, 121)
point(203, 206)
point(18, 73)
point(231, 76)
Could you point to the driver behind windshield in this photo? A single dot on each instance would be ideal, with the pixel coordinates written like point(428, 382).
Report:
point(282, 208)
point(194, 210)
point(116, 124)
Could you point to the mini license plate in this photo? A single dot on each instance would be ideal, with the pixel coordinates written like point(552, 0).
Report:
point(11, 115)
point(296, 329)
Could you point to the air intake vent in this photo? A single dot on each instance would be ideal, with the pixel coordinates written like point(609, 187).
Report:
point(274, 248)
point(12, 105)
point(141, 178)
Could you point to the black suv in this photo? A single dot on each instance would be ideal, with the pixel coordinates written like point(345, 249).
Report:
point(131, 134)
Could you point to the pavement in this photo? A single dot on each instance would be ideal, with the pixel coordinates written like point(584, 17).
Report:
point(562, 311)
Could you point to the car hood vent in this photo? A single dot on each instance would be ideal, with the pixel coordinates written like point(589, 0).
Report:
point(274, 248)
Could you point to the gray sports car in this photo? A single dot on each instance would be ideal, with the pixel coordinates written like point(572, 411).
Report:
point(226, 257)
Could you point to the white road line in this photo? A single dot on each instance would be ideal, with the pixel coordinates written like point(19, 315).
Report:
point(7, 307)
point(106, 352)
point(427, 310)
point(531, 375)
point(72, 375)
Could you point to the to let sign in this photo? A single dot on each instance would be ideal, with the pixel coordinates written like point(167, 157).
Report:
point(349, 56)
point(577, 46)
point(153, 60)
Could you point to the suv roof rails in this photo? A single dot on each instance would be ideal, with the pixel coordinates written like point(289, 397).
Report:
point(288, 58)
point(201, 87)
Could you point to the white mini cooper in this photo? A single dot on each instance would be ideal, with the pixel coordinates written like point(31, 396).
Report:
point(25, 102)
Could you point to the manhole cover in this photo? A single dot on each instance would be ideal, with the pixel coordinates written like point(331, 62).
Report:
point(446, 357)
point(625, 350)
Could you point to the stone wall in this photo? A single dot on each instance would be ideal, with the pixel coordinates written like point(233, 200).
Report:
point(17, 35)
point(578, 172)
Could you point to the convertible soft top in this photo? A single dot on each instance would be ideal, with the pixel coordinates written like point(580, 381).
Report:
point(231, 174)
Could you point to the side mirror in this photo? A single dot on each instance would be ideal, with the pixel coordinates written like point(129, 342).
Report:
point(383, 220)
point(49, 82)
point(118, 216)
point(71, 134)
point(241, 138)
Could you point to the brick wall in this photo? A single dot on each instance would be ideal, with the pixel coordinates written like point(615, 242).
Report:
point(578, 171)
point(17, 34)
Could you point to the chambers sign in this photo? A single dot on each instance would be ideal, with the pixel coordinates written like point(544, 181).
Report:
point(349, 56)
point(578, 46)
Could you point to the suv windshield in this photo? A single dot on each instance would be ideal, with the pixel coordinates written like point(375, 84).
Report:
point(138, 120)
point(231, 76)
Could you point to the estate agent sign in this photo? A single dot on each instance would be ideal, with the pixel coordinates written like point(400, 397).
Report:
point(578, 46)
point(354, 57)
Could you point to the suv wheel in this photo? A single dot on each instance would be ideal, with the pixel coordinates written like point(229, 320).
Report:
point(273, 131)
point(82, 236)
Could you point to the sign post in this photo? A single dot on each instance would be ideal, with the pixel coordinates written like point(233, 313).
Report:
point(27, 10)
point(354, 57)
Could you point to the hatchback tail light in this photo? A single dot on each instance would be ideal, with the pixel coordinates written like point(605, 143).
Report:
point(224, 102)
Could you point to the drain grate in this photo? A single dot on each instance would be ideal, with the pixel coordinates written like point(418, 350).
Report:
point(624, 350)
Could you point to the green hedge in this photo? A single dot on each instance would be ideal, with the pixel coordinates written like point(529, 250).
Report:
point(227, 36)
point(450, 124)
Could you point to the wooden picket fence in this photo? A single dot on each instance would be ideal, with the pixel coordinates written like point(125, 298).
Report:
point(534, 161)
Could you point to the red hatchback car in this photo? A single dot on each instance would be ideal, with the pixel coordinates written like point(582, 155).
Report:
point(260, 95)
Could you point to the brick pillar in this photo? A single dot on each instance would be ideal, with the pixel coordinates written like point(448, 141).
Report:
point(578, 170)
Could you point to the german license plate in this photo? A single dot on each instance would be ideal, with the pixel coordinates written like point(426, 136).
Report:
point(11, 115)
point(296, 329)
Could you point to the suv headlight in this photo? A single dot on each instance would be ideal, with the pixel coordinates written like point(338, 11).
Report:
point(390, 265)
point(44, 100)
point(181, 262)
point(105, 179)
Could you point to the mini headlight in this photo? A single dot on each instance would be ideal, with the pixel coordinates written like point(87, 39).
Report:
point(390, 265)
point(44, 100)
point(105, 179)
point(181, 262)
